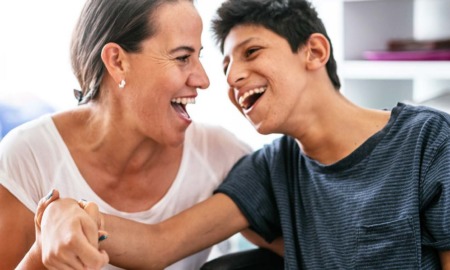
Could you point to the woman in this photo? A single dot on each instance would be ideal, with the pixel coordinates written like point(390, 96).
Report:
point(130, 146)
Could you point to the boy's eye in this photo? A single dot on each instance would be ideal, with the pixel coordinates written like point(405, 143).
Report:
point(250, 51)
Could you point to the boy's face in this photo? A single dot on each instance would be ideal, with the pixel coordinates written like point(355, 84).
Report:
point(266, 78)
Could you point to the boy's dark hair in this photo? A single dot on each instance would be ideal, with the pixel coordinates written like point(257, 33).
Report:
point(294, 20)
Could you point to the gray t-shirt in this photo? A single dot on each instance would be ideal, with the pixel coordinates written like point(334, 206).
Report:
point(385, 206)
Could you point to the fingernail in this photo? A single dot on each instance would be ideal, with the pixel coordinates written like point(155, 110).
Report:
point(102, 237)
point(82, 203)
point(49, 195)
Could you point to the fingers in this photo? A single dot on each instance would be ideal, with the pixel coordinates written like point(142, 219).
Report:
point(92, 258)
point(42, 205)
point(70, 237)
point(99, 267)
point(75, 264)
point(93, 211)
point(102, 235)
point(81, 256)
point(70, 233)
point(76, 253)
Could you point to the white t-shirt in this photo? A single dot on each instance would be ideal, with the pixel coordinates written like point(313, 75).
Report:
point(34, 159)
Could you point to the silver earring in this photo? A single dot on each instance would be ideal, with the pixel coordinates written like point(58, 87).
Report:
point(122, 84)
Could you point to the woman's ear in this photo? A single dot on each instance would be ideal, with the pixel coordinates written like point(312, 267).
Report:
point(318, 51)
point(114, 59)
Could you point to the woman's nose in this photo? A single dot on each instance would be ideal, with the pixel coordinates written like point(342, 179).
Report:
point(199, 78)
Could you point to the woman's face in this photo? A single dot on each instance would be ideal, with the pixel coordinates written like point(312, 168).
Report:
point(164, 76)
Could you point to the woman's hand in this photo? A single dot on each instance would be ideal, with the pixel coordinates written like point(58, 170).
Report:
point(42, 205)
point(69, 234)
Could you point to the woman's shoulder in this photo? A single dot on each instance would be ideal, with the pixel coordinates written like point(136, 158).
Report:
point(32, 130)
point(27, 141)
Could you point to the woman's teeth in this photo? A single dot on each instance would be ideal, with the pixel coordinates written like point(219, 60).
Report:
point(183, 101)
point(246, 102)
point(179, 104)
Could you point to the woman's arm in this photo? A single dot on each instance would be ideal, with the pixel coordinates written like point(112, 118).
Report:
point(18, 234)
point(134, 245)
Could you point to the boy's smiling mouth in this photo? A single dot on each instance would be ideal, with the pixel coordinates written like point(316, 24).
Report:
point(248, 99)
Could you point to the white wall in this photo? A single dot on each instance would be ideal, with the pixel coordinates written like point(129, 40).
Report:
point(34, 51)
point(34, 60)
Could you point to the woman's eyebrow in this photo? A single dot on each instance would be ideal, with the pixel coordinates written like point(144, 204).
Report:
point(183, 48)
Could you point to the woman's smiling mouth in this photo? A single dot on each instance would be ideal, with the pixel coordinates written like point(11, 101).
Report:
point(179, 104)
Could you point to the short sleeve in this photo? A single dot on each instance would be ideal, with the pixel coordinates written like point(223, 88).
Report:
point(18, 169)
point(249, 185)
point(436, 199)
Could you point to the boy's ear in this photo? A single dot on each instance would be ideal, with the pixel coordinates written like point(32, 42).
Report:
point(318, 51)
point(114, 59)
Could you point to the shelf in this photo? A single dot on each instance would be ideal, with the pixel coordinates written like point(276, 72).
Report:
point(395, 69)
point(369, 25)
point(362, 0)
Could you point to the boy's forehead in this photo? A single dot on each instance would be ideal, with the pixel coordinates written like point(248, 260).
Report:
point(241, 35)
point(238, 34)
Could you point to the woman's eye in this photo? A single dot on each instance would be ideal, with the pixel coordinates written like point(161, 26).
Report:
point(225, 68)
point(183, 58)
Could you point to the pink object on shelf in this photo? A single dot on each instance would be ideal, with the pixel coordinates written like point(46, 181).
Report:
point(436, 55)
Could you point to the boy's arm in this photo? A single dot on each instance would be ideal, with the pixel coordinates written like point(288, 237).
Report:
point(445, 259)
point(138, 246)
point(276, 246)
point(134, 245)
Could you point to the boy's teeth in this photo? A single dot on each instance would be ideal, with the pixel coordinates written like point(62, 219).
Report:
point(183, 101)
point(250, 93)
